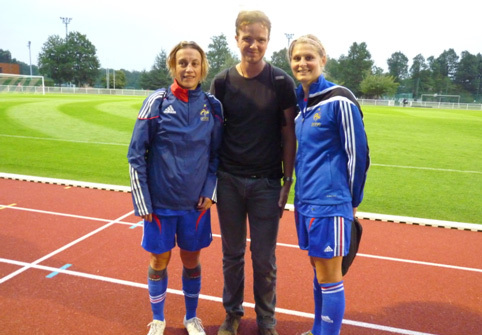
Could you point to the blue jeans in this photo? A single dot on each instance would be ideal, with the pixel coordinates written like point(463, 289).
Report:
point(241, 198)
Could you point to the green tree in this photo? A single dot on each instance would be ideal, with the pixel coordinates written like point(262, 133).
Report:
point(421, 77)
point(332, 71)
point(83, 58)
point(119, 78)
point(219, 57)
point(132, 79)
point(6, 57)
point(376, 86)
point(398, 66)
point(467, 76)
point(69, 60)
point(158, 76)
point(52, 60)
point(443, 70)
point(352, 68)
point(280, 59)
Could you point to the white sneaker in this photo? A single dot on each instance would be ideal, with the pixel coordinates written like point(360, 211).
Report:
point(194, 326)
point(157, 327)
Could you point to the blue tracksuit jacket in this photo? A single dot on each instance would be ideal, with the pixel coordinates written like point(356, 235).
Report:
point(173, 154)
point(332, 158)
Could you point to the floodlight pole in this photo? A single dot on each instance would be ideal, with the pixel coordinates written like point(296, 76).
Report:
point(66, 21)
point(289, 37)
point(30, 56)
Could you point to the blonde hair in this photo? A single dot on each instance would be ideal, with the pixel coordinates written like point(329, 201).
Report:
point(309, 39)
point(171, 59)
point(246, 17)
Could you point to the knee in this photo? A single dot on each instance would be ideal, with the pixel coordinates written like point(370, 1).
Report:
point(190, 259)
point(160, 261)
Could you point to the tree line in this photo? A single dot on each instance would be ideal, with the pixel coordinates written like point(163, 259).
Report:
point(73, 60)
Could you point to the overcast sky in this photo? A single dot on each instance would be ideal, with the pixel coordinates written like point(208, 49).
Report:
point(129, 34)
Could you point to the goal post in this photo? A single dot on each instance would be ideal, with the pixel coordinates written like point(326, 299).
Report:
point(440, 98)
point(20, 83)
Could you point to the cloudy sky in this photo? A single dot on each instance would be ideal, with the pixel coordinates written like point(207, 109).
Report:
point(130, 35)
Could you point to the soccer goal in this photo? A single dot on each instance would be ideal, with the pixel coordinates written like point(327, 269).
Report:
point(441, 98)
point(18, 83)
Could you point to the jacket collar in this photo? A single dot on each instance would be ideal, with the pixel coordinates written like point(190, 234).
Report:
point(183, 94)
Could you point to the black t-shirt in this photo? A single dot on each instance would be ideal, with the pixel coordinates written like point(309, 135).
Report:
point(253, 119)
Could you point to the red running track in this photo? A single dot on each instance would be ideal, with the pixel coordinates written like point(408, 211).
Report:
point(71, 263)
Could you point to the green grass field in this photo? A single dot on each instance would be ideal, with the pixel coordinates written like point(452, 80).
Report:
point(426, 163)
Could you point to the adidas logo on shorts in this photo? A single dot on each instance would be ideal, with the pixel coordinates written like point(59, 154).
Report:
point(328, 249)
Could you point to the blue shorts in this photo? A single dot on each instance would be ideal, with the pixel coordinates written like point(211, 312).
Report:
point(324, 237)
point(192, 229)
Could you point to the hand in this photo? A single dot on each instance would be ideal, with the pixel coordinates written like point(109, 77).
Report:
point(283, 197)
point(147, 217)
point(204, 204)
point(354, 212)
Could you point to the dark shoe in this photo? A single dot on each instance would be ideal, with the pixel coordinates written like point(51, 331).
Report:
point(267, 331)
point(230, 325)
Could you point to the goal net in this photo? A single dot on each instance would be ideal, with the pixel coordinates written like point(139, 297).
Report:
point(18, 83)
point(441, 98)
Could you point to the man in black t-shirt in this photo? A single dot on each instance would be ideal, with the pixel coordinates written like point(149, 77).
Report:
point(258, 150)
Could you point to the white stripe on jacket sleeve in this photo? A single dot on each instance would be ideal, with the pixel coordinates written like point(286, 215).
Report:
point(137, 191)
point(350, 148)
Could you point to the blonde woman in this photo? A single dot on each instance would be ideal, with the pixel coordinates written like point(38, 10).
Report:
point(331, 166)
point(173, 159)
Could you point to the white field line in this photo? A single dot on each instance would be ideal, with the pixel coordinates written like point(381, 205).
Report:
point(294, 246)
point(126, 144)
point(63, 140)
point(425, 168)
point(202, 296)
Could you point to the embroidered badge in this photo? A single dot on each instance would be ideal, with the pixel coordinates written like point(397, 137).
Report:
point(204, 114)
point(315, 122)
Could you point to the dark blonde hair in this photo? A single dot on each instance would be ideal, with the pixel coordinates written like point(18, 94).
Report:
point(246, 17)
point(308, 39)
point(171, 59)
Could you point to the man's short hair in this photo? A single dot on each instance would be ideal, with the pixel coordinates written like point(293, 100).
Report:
point(246, 17)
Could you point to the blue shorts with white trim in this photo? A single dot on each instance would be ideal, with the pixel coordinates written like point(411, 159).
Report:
point(324, 237)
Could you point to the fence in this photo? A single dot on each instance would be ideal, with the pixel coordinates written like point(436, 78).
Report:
point(132, 92)
point(71, 90)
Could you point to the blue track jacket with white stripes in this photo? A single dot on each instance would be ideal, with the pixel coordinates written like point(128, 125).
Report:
point(332, 159)
point(173, 153)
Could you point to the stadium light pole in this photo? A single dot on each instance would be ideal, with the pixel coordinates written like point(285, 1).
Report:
point(289, 37)
point(30, 56)
point(66, 21)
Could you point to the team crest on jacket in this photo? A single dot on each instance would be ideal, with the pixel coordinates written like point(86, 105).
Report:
point(204, 114)
point(315, 122)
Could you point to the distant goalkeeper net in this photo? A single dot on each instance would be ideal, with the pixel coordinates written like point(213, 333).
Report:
point(441, 98)
point(17, 83)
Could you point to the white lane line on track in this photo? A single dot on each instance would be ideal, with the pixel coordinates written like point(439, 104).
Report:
point(19, 271)
point(119, 221)
point(289, 207)
point(75, 216)
point(25, 265)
